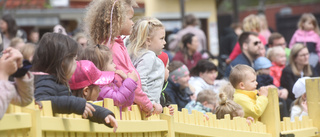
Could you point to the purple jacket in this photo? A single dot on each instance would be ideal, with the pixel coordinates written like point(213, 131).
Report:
point(309, 38)
point(122, 96)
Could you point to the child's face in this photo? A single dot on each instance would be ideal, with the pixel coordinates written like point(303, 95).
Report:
point(280, 58)
point(157, 42)
point(92, 95)
point(209, 76)
point(110, 65)
point(183, 81)
point(193, 46)
point(250, 83)
point(307, 25)
point(126, 26)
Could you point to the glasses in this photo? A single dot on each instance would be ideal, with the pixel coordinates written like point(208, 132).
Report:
point(256, 43)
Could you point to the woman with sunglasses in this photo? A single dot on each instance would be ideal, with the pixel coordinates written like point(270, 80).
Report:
point(298, 67)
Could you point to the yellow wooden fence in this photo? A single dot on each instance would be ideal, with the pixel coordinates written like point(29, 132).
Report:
point(31, 122)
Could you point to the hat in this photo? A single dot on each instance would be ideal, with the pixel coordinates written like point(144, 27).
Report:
point(299, 88)
point(87, 74)
point(262, 63)
point(164, 57)
point(59, 29)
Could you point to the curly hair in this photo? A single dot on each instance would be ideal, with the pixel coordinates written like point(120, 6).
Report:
point(97, 19)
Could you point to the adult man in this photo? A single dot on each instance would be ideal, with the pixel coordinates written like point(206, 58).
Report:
point(190, 26)
point(250, 45)
point(276, 39)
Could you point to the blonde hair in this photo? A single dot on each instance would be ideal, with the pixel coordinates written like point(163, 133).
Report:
point(263, 21)
point(79, 36)
point(143, 29)
point(97, 19)
point(27, 50)
point(98, 55)
point(228, 90)
point(227, 106)
point(15, 41)
point(251, 22)
point(314, 21)
point(273, 52)
point(207, 95)
point(239, 73)
point(293, 55)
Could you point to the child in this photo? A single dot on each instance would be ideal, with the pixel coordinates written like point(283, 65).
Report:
point(21, 92)
point(86, 80)
point(146, 43)
point(102, 58)
point(103, 29)
point(164, 98)
point(278, 58)
point(228, 90)
point(262, 67)
point(17, 43)
point(206, 102)
point(178, 88)
point(55, 57)
point(308, 34)
point(227, 106)
point(243, 79)
point(27, 51)
point(300, 107)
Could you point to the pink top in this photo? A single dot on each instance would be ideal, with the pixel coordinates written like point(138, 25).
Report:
point(237, 50)
point(122, 60)
point(276, 72)
point(304, 37)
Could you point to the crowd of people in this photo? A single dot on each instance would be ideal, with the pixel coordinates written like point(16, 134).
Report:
point(96, 64)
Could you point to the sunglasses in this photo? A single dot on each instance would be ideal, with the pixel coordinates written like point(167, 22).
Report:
point(256, 43)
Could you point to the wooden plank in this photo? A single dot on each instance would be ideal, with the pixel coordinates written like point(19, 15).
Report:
point(313, 100)
point(306, 132)
point(47, 108)
point(15, 121)
point(170, 121)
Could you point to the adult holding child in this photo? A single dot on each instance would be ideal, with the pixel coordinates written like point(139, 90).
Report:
point(298, 67)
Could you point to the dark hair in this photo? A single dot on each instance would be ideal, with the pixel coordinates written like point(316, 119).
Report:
point(174, 65)
point(79, 92)
point(186, 39)
point(202, 67)
point(273, 37)
point(12, 25)
point(99, 55)
point(244, 37)
point(54, 55)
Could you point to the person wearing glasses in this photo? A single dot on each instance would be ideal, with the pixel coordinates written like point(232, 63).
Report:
point(250, 45)
point(276, 39)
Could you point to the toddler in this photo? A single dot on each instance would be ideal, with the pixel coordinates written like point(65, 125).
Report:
point(300, 107)
point(206, 102)
point(278, 58)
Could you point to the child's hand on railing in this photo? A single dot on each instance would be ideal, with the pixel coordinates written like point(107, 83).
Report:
point(121, 74)
point(249, 120)
point(157, 108)
point(283, 93)
point(263, 91)
point(304, 106)
point(171, 110)
point(88, 111)
point(133, 76)
point(112, 121)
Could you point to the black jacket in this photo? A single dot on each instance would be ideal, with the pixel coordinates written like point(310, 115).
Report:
point(177, 96)
point(46, 88)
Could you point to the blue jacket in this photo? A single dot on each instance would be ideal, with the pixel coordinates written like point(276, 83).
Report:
point(177, 96)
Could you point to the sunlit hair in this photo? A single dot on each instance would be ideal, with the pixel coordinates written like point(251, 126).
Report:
point(304, 18)
point(15, 41)
point(207, 95)
point(98, 18)
point(98, 55)
point(227, 106)
point(54, 55)
point(293, 55)
point(228, 90)
point(239, 73)
point(273, 52)
point(27, 50)
point(251, 23)
point(263, 21)
point(143, 30)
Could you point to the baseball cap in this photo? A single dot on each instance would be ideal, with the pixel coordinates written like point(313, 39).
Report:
point(262, 63)
point(299, 88)
point(87, 74)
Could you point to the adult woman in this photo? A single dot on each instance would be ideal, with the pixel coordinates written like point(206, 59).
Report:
point(189, 54)
point(298, 67)
point(9, 29)
point(203, 76)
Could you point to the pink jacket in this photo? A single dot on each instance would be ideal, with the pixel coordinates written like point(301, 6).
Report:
point(20, 93)
point(122, 96)
point(304, 37)
point(122, 60)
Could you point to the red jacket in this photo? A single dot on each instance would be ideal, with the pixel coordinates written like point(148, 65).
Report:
point(190, 63)
point(276, 72)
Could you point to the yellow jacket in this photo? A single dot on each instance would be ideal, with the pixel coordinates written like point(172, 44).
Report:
point(252, 104)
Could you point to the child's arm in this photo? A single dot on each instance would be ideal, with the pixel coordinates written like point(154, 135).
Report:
point(100, 116)
point(25, 90)
point(7, 93)
point(122, 96)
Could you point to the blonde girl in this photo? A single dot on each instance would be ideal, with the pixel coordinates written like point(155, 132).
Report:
point(105, 21)
point(146, 43)
point(277, 56)
point(308, 34)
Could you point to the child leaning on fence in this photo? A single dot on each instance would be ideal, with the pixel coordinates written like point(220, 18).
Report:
point(207, 101)
point(18, 93)
point(146, 43)
point(101, 57)
point(105, 21)
point(243, 79)
point(55, 58)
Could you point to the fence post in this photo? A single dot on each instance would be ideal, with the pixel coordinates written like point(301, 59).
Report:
point(35, 130)
point(271, 116)
point(313, 100)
